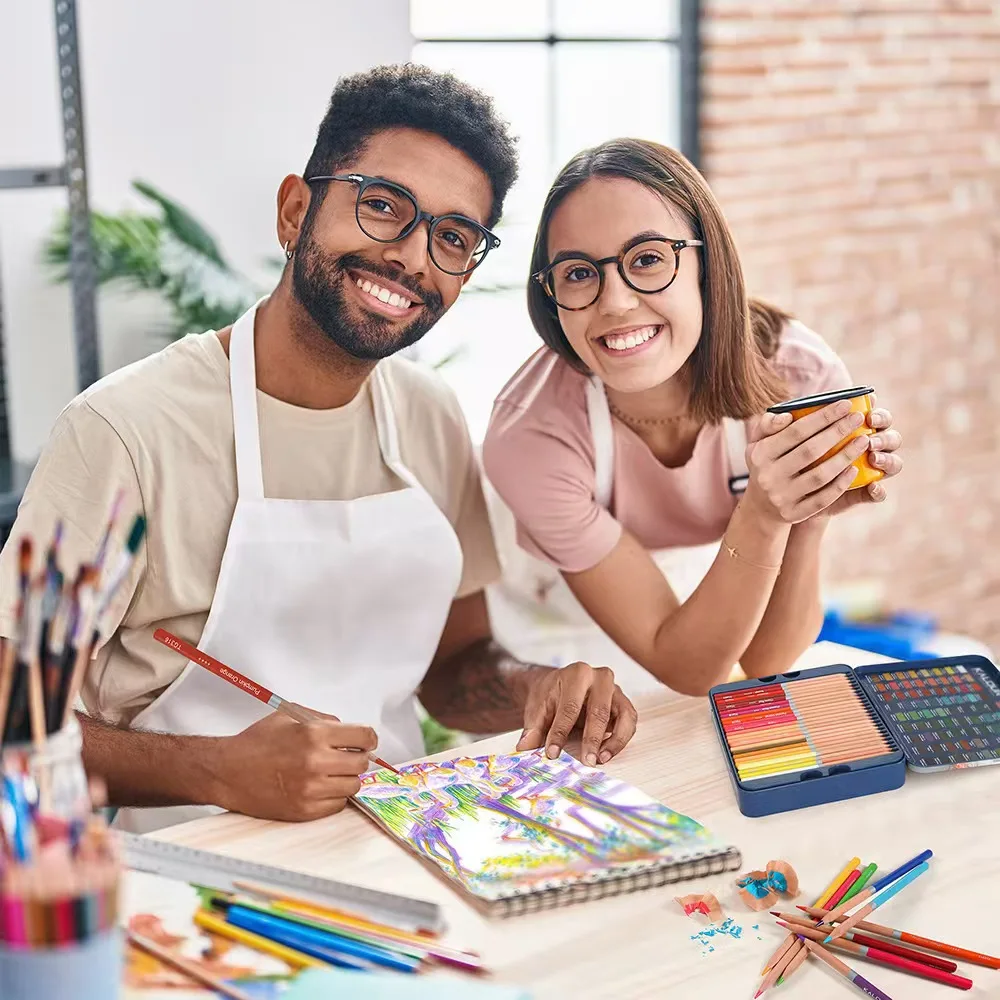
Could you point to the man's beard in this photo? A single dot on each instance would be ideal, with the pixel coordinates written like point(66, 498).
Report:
point(318, 281)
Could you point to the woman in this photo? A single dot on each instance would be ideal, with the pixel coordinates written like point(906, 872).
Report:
point(625, 436)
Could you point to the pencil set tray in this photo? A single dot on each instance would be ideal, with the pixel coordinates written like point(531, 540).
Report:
point(812, 781)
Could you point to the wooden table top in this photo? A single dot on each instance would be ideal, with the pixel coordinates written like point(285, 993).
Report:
point(641, 945)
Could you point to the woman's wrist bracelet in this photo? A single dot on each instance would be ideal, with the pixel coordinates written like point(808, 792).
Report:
point(734, 553)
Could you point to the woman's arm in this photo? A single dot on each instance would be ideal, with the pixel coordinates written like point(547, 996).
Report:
point(794, 613)
point(693, 645)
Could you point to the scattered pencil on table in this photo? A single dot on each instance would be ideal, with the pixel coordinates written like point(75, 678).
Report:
point(882, 957)
point(845, 970)
point(182, 965)
point(878, 900)
point(244, 683)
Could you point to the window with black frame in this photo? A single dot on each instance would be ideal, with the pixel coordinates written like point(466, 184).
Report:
point(567, 74)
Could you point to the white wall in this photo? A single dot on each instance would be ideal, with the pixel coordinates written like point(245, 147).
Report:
point(212, 101)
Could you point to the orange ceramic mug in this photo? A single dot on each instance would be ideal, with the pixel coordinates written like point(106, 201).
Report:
point(861, 402)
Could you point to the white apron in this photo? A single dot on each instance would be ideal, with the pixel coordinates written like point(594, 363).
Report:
point(335, 604)
point(534, 596)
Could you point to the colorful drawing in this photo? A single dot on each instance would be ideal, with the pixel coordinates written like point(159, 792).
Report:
point(506, 824)
point(163, 911)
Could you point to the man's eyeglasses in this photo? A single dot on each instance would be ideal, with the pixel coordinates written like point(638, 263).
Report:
point(575, 281)
point(388, 213)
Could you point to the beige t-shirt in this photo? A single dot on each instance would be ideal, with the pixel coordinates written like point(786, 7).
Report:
point(162, 430)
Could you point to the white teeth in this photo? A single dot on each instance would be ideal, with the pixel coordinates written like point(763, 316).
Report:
point(633, 339)
point(383, 294)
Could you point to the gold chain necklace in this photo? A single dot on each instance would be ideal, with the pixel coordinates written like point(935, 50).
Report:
point(646, 421)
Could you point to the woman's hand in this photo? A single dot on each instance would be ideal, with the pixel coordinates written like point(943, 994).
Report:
point(882, 448)
point(782, 488)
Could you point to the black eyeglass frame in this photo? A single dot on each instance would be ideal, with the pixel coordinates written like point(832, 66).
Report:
point(365, 181)
point(544, 277)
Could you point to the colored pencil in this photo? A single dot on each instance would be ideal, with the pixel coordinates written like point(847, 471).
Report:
point(791, 948)
point(216, 925)
point(873, 942)
point(845, 970)
point(880, 900)
point(877, 886)
point(845, 885)
point(882, 957)
point(182, 965)
point(243, 683)
point(940, 947)
point(862, 881)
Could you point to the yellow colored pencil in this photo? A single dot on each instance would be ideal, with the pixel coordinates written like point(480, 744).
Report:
point(296, 959)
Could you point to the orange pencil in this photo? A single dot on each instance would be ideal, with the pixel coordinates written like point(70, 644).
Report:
point(234, 677)
point(963, 954)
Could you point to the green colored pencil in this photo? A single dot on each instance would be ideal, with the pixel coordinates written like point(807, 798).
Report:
point(863, 879)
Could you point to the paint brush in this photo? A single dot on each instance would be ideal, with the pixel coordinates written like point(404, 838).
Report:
point(243, 683)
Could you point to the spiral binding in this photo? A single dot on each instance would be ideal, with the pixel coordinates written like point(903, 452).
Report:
point(616, 882)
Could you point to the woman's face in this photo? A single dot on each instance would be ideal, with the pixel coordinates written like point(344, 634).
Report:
point(600, 218)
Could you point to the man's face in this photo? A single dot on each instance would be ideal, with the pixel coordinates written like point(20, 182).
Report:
point(341, 276)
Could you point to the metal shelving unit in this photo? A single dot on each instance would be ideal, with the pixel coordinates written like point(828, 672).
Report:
point(71, 174)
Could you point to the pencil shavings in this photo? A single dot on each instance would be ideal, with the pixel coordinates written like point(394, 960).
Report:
point(760, 889)
point(704, 903)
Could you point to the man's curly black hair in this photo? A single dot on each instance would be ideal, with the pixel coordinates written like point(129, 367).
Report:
point(413, 96)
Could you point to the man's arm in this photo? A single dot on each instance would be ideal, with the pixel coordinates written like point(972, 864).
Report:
point(152, 769)
point(476, 685)
point(275, 769)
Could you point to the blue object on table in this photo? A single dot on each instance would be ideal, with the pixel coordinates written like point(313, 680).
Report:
point(814, 785)
point(320, 984)
point(88, 971)
point(903, 635)
point(317, 943)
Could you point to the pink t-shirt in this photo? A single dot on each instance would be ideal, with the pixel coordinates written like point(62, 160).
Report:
point(539, 455)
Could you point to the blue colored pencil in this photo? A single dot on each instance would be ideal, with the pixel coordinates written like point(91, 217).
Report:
point(883, 897)
point(308, 939)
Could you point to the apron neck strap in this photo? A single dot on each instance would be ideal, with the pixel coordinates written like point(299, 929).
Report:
point(385, 425)
point(246, 427)
point(603, 434)
point(243, 389)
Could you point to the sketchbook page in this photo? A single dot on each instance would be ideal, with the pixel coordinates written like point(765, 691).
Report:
point(511, 824)
point(163, 910)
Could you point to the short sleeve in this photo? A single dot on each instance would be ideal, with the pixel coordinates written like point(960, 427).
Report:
point(545, 476)
point(808, 364)
point(81, 469)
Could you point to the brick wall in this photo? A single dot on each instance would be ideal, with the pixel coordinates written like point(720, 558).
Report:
point(855, 147)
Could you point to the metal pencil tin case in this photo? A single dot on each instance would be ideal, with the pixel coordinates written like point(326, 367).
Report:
point(830, 783)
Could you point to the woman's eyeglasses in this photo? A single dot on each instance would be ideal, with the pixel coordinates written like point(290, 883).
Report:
point(388, 213)
point(649, 265)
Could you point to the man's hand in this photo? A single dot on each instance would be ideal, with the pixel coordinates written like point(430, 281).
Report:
point(561, 700)
point(286, 770)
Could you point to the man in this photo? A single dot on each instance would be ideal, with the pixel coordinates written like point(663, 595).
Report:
point(315, 514)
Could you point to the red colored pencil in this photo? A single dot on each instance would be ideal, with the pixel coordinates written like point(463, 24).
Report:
point(843, 888)
point(873, 942)
point(886, 958)
point(962, 954)
point(242, 682)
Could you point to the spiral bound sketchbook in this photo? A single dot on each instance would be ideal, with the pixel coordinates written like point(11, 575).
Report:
point(519, 832)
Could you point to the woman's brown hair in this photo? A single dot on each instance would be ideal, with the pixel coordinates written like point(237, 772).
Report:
point(730, 374)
